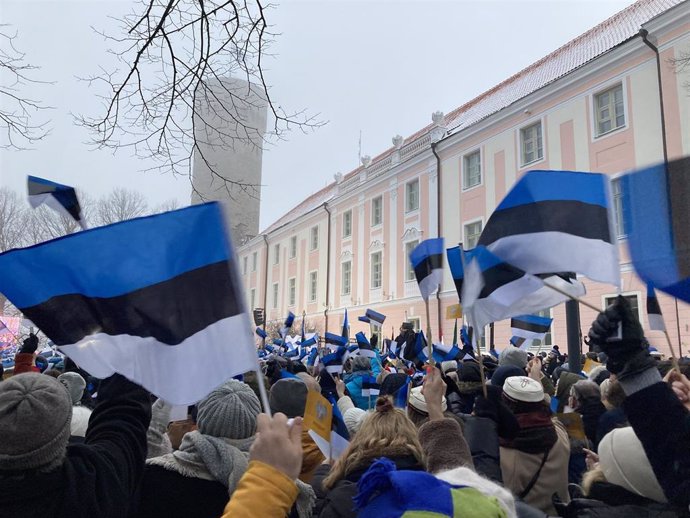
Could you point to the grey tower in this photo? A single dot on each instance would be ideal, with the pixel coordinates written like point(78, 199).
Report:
point(229, 127)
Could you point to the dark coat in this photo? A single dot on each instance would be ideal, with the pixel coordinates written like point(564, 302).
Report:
point(610, 420)
point(591, 411)
point(168, 494)
point(337, 502)
point(98, 478)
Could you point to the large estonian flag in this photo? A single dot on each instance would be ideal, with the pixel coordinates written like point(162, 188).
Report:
point(656, 212)
point(61, 198)
point(556, 221)
point(494, 290)
point(530, 327)
point(656, 319)
point(427, 262)
point(156, 299)
point(455, 262)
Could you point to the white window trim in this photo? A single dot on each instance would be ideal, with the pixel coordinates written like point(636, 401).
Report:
point(294, 302)
point(276, 296)
point(342, 284)
point(316, 295)
point(407, 258)
point(481, 169)
point(519, 142)
point(290, 249)
point(638, 294)
point(464, 227)
point(593, 119)
point(311, 240)
point(276, 256)
point(349, 236)
point(419, 197)
point(371, 273)
point(380, 224)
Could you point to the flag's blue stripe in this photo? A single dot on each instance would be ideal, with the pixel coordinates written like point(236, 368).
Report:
point(538, 186)
point(332, 338)
point(362, 340)
point(484, 258)
point(116, 259)
point(376, 316)
point(534, 319)
point(455, 262)
point(364, 319)
point(426, 248)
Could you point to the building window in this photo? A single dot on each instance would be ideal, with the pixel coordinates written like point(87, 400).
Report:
point(472, 233)
point(471, 170)
point(254, 261)
point(292, 283)
point(409, 272)
point(276, 254)
point(617, 194)
point(253, 298)
point(412, 196)
point(313, 286)
point(275, 295)
point(376, 270)
point(376, 211)
point(608, 110)
point(293, 247)
point(531, 144)
point(347, 224)
point(632, 300)
point(416, 323)
point(314, 238)
point(244, 265)
point(346, 282)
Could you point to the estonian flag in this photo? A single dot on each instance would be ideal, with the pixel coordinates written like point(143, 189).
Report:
point(336, 340)
point(365, 348)
point(310, 341)
point(61, 198)
point(427, 262)
point(287, 325)
point(334, 362)
point(364, 319)
point(346, 328)
point(530, 327)
point(375, 317)
point(156, 299)
point(556, 221)
point(456, 262)
point(495, 290)
point(520, 342)
point(313, 355)
point(401, 395)
point(370, 387)
point(657, 223)
point(656, 319)
point(261, 333)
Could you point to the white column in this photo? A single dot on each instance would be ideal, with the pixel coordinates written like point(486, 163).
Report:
point(362, 253)
point(393, 244)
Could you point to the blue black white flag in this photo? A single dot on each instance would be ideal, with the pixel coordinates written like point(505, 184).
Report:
point(364, 319)
point(308, 342)
point(656, 319)
point(346, 328)
point(556, 221)
point(60, 198)
point(456, 262)
point(287, 325)
point(520, 342)
point(365, 348)
point(259, 331)
point(494, 290)
point(335, 340)
point(530, 327)
point(370, 387)
point(427, 262)
point(169, 314)
point(656, 210)
point(376, 318)
point(333, 362)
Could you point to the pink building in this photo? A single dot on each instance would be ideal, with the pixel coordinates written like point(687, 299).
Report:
point(592, 105)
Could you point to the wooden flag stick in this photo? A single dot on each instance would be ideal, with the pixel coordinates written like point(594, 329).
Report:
point(430, 348)
point(481, 363)
point(572, 297)
point(674, 359)
point(262, 388)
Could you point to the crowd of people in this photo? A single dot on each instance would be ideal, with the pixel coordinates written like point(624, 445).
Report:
point(517, 436)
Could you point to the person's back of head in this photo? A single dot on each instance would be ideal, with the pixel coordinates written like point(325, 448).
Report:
point(229, 411)
point(288, 396)
point(612, 394)
point(360, 363)
point(585, 392)
point(35, 417)
point(513, 356)
point(309, 381)
point(75, 385)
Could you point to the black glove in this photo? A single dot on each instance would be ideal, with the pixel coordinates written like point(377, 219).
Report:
point(30, 344)
point(628, 355)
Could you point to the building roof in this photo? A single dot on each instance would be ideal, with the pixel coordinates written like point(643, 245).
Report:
point(600, 39)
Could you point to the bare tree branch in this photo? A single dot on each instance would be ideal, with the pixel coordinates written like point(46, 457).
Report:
point(174, 99)
point(682, 65)
point(18, 130)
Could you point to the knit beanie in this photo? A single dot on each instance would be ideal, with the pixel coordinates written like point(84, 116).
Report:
point(624, 463)
point(74, 384)
point(229, 411)
point(513, 356)
point(418, 402)
point(392, 383)
point(506, 371)
point(288, 396)
point(35, 417)
point(469, 371)
point(353, 418)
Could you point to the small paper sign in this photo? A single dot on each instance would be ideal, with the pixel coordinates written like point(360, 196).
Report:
point(318, 415)
point(454, 311)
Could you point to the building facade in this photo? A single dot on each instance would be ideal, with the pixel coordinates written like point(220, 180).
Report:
point(592, 105)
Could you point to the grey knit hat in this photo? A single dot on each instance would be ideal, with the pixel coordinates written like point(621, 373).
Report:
point(74, 384)
point(288, 396)
point(513, 356)
point(229, 411)
point(35, 416)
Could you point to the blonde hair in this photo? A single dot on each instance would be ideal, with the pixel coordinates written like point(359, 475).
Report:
point(387, 432)
point(590, 477)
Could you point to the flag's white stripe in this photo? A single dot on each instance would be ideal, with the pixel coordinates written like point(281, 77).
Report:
point(431, 282)
point(334, 369)
point(542, 252)
point(656, 322)
point(367, 353)
point(180, 374)
point(528, 335)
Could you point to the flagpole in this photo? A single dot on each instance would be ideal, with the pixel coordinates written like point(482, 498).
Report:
point(430, 350)
point(674, 360)
point(573, 297)
point(482, 377)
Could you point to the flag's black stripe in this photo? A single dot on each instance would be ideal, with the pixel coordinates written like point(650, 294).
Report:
point(529, 326)
point(36, 188)
point(679, 199)
point(653, 307)
point(498, 276)
point(429, 263)
point(458, 287)
point(68, 199)
point(169, 311)
point(570, 217)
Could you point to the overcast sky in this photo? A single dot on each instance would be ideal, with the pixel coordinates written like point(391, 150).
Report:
point(378, 67)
